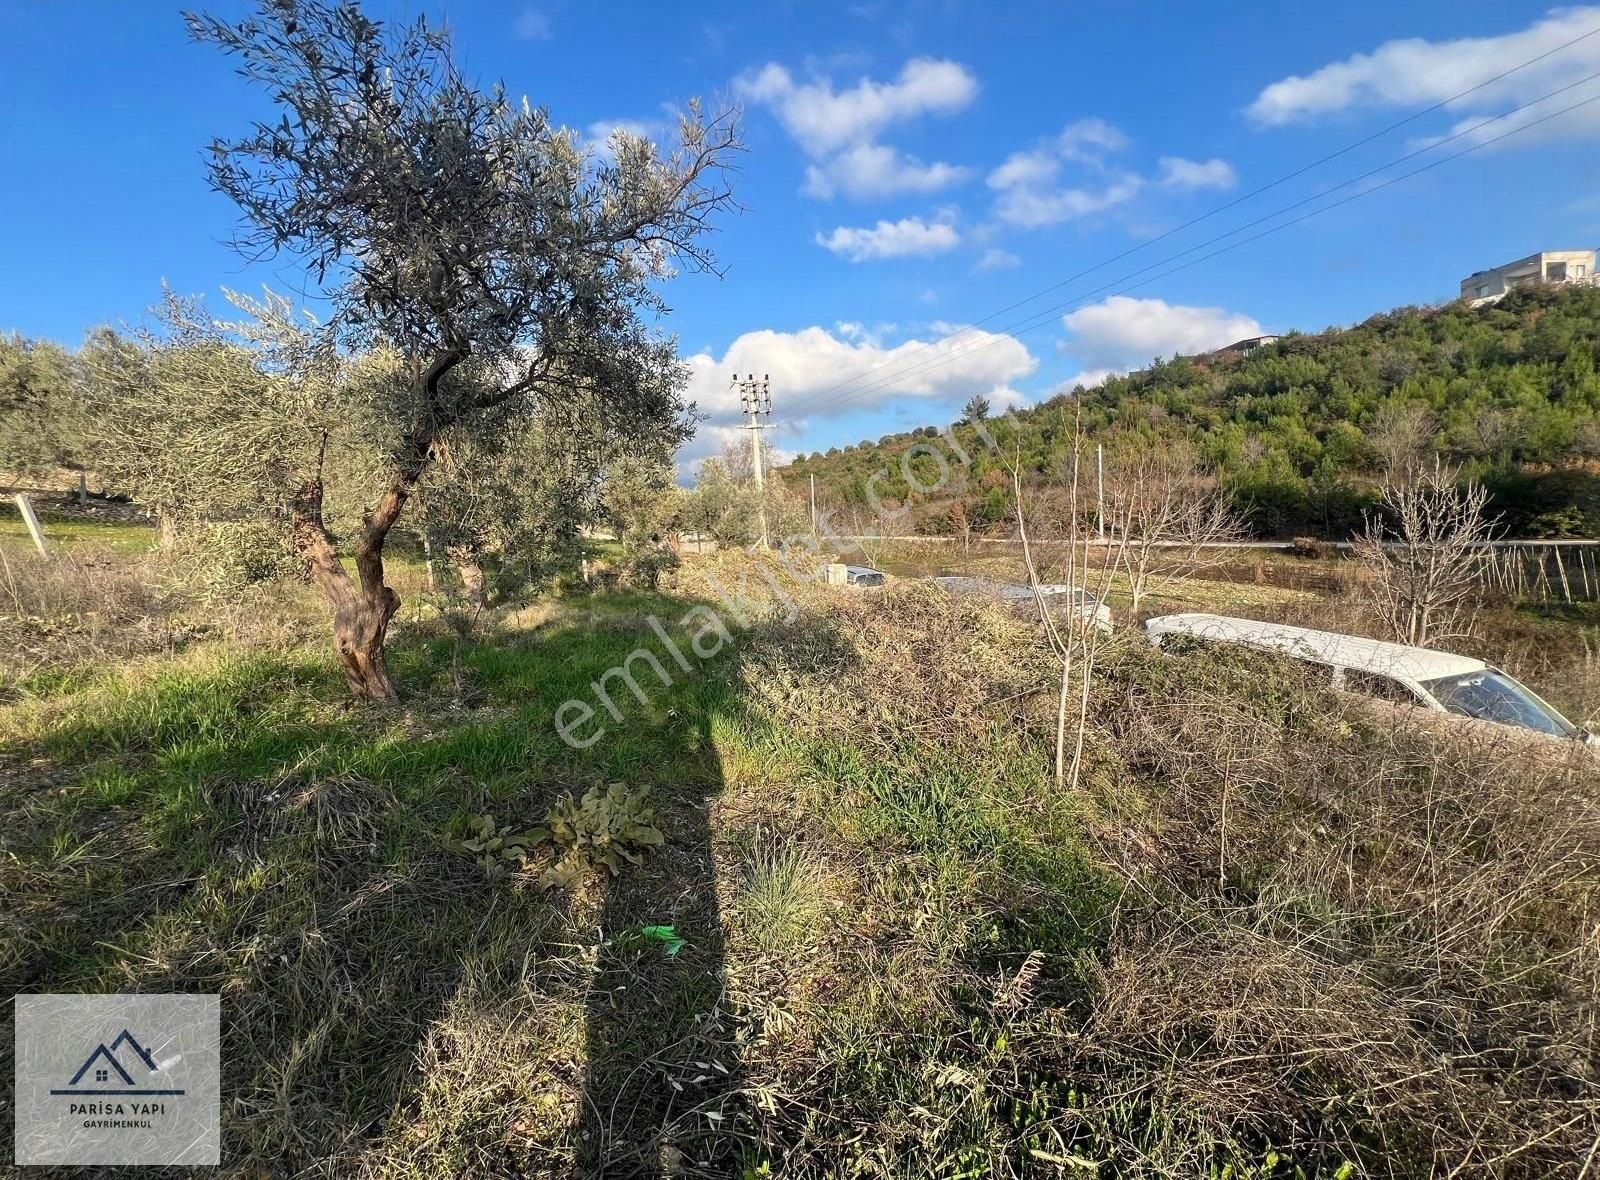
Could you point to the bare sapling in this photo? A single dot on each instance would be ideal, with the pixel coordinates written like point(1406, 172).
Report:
point(1167, 513)
point(1076, 646)
point(1426, 550)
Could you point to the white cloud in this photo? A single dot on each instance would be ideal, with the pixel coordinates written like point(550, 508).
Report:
point(1122, 332)
point(862, 333)
point(811, 362)
point(1178, 173)
point(1026, 169)
point(1089, 379)
point(908, 237)
point(995, 258)
point(1031, 206)
point(598, 134)
point(532, 25)
point(875, 170)
point(846, 371)
point(1089, 141)
point(1031, 193)
point(824, 120)
point(838, 129)
point(1416, 72)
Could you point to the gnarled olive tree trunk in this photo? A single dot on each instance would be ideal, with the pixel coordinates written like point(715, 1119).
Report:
point(470, 570)
point(361, 606)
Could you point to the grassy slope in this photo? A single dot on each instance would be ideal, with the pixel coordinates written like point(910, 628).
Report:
point(896, 931)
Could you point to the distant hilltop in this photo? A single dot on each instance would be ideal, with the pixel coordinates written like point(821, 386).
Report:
point(1294, 427)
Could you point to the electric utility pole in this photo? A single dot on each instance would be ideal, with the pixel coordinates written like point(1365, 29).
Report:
point(755, 399)
point(1100, 491)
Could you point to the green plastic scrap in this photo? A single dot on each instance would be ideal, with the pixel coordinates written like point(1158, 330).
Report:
point(667, 936)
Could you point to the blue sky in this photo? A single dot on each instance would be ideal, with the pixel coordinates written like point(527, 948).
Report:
point(912, 169)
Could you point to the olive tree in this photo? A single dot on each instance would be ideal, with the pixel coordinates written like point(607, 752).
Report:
point(41, 410)
point(639, 498)
point(719, 506)
point(449, 223)
point(506, 502)
point(210, 420)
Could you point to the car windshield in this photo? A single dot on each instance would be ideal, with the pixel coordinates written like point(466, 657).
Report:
point(1493, 696)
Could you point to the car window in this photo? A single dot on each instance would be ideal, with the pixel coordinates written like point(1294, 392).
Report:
point(1383, 688)
point(1493, 696)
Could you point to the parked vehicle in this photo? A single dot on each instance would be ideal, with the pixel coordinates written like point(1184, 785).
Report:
point(1059, 598)
point(1434, 680)
point(862, 575)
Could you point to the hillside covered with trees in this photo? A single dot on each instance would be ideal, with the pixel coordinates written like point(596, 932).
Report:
point(1296, 431)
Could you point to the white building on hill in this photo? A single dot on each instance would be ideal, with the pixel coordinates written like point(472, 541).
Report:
point(1551, 266)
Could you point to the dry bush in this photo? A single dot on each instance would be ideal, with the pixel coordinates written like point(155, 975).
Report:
point(74, 607)
point(86, 606)
point(1426, 555)
point(1358, 940)
point(915, 665)
point(1345, 941)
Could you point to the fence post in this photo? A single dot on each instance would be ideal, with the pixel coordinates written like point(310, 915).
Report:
point(32, 521)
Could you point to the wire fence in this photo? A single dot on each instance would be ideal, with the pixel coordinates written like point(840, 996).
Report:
point(1539, 571)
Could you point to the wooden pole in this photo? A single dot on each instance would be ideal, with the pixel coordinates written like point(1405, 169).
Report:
point(32, 521)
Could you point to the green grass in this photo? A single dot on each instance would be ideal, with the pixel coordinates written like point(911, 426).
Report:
point(224, 821)
point(129, 539)
point(228, 823)
point(896, 929)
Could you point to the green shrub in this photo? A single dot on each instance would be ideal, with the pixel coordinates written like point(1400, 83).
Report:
point(606, 828)
point(224, 557)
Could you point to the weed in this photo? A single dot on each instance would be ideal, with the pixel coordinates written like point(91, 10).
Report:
point(603, 830)
point(497, 849)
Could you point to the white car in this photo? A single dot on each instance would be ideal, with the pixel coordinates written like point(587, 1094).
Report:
point(1434, 680)
point(1057, 595)
point(862, 575)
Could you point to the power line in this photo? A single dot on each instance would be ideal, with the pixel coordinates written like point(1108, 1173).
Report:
point(1046, 317)
point(1300, 171)
point(1034, 321)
